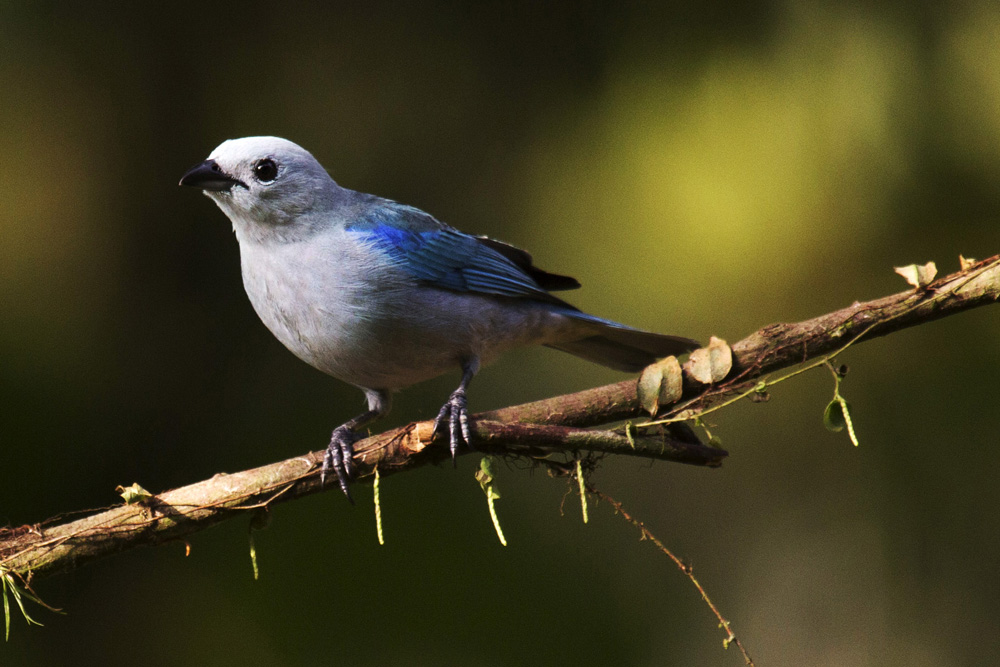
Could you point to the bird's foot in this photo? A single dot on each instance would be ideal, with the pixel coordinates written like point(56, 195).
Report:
point(454, 416)
point(339, 457)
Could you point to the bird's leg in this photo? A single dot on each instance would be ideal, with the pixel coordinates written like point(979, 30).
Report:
point(339, 454)
point(454, 413)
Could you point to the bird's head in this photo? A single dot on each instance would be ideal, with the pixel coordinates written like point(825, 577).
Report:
point(265, 185)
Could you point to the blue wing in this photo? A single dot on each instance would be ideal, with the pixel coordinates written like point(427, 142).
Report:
point(438, 255)
point(444, 257)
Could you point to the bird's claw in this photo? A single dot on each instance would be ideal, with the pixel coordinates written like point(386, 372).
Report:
point(454, 416)
point(339, 457)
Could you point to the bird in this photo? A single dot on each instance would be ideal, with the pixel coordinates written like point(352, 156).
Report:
point(382, 295)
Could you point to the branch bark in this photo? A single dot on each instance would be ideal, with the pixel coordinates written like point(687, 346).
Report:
point(532, 429)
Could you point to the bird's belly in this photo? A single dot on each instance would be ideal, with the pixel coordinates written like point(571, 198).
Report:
point(422, 333)
point(404, 337)
point(382, 330)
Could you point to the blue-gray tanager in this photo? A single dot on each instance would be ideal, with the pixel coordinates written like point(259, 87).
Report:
point(383, 295)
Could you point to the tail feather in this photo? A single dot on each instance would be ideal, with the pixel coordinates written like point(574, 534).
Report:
point(623, 348)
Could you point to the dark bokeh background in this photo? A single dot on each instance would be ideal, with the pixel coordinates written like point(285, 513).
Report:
point(701, 170)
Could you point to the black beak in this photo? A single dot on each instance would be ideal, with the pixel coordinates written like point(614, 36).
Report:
point(209, 176)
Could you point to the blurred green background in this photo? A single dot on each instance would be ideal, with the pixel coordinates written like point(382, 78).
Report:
point(702, 170)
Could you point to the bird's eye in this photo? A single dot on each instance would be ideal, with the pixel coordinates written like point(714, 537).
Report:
point(265, 170)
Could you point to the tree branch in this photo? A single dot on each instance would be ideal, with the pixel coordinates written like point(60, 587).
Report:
point(533, 429)
point(779, 346)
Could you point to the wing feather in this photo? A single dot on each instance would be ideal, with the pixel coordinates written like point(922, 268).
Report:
point(442, 256)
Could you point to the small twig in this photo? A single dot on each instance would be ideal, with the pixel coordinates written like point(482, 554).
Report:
point(842, 408)
point(731, 637)
point(487, 480)
point(378, 508)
